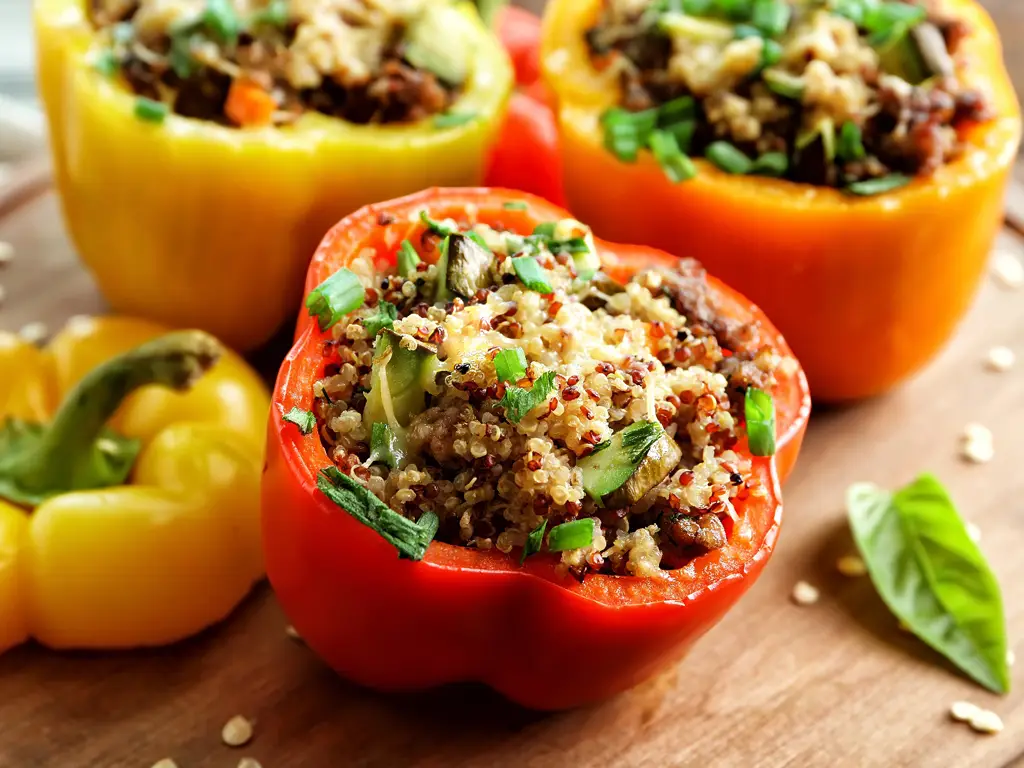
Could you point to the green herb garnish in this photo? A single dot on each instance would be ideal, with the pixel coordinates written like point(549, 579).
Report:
point(518, 402)
point(335, 297)
point(222, 20)
point(385, 317)
point(771, 16)
point(180, 55)
point(676, 110)
point(931, 575)
point(578, 533)
point(759, 411)
point(408, 259)
point(676, 165)
point(532, 275)
point(850, 143)
point(514, 205)
point(510, 365)
point(638, 438)
point(534, 541)
point(304, 420)
point(151, 111)
point(773, 164)
point(411, 539)
point(385, 446)
point(728, 158)
point(453, 119)
point(439, 229)
point(879, 186)
point(891, 18)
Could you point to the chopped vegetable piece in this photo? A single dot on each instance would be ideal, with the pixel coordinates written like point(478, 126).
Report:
point(411, 539)
point(107, 63)
point(774, 164)
point(546, 230)
point(622, 470)
point(510, 365)
point(335, 297)
point(677, 110)
point(931, 575)
point(850, 145)
point(759, 411)
point(737, 10)
point(518, 402)
point(304, 420)
point(531, 274)
point(222, 21)
point(442, 230)
point(784, 84)
point(249, 105)
point(150, 111)
point(514, 205)
point(468, 265)
point(407, 259)
point(696, 29)
point(385, 446)
point(402, 367)
point(771, 16)
point(677, 166)
point(578, 533)
point(931, 46)
point(887, 18)
point(385, 317)
point(432, 44)
point(534, 541)
point(453, 119)
point(728, 158)
point(825, 133)
point(274, 14)
point(878, 186)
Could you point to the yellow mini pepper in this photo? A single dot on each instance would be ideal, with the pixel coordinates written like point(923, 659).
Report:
point(129, 512)
point(196, 224)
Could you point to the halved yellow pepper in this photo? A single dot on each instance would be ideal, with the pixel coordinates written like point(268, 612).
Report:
point(866, 290)
point(199, 225)
point(157, 559)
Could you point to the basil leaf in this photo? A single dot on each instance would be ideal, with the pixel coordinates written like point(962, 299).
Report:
point(304, 420)
point(931, 574)
point(411, 539)
point(510, 365)
point(518, 402)
point(534, 541)
point(384, 446)
point(384, 318)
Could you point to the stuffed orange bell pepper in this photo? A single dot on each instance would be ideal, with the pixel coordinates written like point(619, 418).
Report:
point(202, 148)
point(497, 438)
point(129, 476)
point(842, 163)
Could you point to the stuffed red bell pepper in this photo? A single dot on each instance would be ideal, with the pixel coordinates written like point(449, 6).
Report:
point(496, 435)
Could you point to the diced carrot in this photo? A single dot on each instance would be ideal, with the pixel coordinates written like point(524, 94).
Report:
point(248, 104)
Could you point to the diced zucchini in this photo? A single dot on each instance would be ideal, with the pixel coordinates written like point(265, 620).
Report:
point(634, 461)
point(468, 266)
point(399, 381)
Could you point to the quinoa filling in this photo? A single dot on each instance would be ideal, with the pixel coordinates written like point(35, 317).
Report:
point(857, 94)
point(505, 384)
point(248, 63)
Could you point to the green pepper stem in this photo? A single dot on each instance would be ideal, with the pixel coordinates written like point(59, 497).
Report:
point(65, 451)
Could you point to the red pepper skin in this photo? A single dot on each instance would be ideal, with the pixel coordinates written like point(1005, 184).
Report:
point(462, 614)
point(526, 155)
point(519, 31)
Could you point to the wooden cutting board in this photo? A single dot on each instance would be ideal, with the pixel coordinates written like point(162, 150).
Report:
point(832, 684)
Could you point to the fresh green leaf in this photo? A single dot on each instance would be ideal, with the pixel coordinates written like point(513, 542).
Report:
point(759, 411)
point(514, 205)
point(510, 365)
point(638, 438)
point(879, 186)
point(850, 9)
point(534, 541)
point(304, 420)
point(518, 402)
point(221, 19)
point(771, 16)
point(408, 259)
point(931, 575)
point(531, 274)
point(885, 18)
point(771, 54)
point(335, 297)
point(677, 166)
point(150, 111)
point(385, 446)
point(438, 228)
point(453, 119)
point(850, 143)
point(385, 317)
point(411, 539)
point(578, 533)
point(784, 84)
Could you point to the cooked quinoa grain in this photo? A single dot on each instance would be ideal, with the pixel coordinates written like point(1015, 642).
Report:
point(853, 94)
point(541, 392)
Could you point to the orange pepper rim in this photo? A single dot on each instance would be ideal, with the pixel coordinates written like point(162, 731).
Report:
point(753, 536)
point(988, 146)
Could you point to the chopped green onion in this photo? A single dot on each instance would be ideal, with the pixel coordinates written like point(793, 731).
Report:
point(442, 230)
point(123, 32)
point(881, 185)
point(385, 317)
point(746, 31)
point(697, 7)
point(759, 411)
point(532, 275)
point(477, 238)
point(408, 259)
point(534, 541)
point(735, 10)
point(453, 119)
point(771, 16)
point(626, 132)
point(578, 533)
point(150, 111)
point(774, 164)
point(384, 446)
point(304, 420)
point(514, 205)
point(274, 14)
point(784, 84)
point(335, 297)
point(683, 133)
point(892, 18)
point(222, 20)
point(825, 130)
point(545, 229)
point(510, 365)
point(180, 55)
point(107, 63)
point(849, 9)
point(851, 142)
point(518, 402)
point(677, 110)
point(677, 166)
point(728, 158)
point(771, 54)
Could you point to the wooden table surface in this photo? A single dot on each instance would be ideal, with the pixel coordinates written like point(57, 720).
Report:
point(833, 684)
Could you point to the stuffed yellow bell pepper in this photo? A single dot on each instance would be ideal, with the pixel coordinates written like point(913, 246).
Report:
point(203, 147)
point(130, 461)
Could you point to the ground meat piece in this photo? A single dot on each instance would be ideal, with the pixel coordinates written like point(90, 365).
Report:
point(141, 76)
point(203, 95)
point(705, 532)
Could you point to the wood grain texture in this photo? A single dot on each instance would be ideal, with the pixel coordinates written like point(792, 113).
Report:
point(834, 684)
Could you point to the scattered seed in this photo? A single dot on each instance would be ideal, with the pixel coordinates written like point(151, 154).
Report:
point(292, 632)
point(805, 594)
point(973, 532)
point(1000, 359)
point(236, 732)
point(963, 711)
point(986, 721)
point(249, 762)
point(6, 253)
point(851, 565)
point(1008, 269)
point(977, 444)
point(34, 333)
